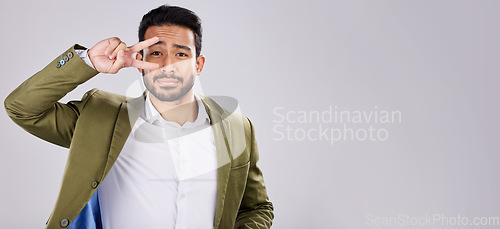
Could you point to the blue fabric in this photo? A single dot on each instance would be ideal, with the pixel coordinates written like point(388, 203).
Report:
point(89, 217)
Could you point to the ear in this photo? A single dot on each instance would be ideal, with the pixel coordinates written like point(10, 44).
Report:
point(200, 61)
point(139, 57)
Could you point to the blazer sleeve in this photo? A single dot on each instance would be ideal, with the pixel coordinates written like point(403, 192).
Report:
point(256, 211)
point(33, 105)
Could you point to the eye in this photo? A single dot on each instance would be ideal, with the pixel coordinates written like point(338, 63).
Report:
point(155, 53)
point(181, 54)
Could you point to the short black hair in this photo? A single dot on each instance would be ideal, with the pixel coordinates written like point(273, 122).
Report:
point(173, 15)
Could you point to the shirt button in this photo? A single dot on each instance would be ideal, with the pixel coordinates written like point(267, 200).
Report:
point(64, 223)
point(182, 196)
point(94, 184)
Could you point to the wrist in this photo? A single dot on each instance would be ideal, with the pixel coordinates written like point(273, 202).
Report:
point(84, 55)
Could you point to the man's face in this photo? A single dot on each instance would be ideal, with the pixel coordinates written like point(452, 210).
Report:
point(175, 53)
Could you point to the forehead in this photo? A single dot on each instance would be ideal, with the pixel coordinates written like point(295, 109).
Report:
point(171, 34)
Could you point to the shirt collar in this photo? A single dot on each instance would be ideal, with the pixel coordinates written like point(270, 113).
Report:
point(151, 115)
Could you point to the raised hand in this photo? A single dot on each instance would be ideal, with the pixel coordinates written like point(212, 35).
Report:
point(112, 54)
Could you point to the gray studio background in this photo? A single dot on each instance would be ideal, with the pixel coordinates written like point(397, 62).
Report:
point(435, 62)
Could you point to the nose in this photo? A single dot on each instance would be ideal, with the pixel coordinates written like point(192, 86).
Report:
point(167, 70)
point(167, 65)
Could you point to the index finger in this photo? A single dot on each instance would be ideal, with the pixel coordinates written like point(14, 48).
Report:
point(144, 65)
point(143, 44)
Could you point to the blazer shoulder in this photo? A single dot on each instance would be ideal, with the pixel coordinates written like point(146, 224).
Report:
point(227, 109)
point(224, 105)
point(99, 100)
point(112, 98)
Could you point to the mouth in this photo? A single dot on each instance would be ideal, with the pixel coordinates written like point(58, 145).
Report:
point(167, 82)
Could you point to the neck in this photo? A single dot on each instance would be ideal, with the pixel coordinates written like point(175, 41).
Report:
point(179, 111)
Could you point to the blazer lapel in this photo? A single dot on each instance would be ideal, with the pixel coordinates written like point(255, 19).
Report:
point(129, 112)
point(221, 129)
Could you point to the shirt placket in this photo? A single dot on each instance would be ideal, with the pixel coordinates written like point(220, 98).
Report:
point(183, 163)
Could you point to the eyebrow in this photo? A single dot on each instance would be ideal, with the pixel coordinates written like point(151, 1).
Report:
point(182, 47)
point(175, 46)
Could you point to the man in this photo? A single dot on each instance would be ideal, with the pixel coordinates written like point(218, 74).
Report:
point(167, 159)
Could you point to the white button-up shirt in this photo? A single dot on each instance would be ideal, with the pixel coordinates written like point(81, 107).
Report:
point(164, 177)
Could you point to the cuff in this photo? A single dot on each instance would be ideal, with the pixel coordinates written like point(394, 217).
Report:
point(84, 55)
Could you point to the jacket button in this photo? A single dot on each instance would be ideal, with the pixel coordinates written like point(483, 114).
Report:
point(62, 62)
point(66, 58)
point(58, 65)
point(64, 223)
point(70, 55)
point(94, 184)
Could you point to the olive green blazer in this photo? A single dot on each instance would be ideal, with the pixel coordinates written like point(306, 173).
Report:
point(96, 127)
